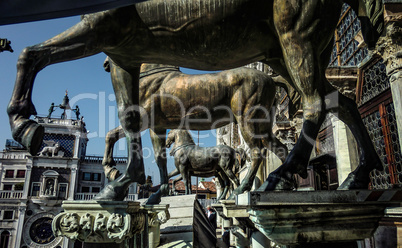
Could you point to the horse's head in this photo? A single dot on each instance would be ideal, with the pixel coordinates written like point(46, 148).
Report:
point(170, 138)
point(180, 137)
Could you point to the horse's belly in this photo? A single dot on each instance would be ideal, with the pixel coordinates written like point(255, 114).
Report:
point(205, 34)
point(201, 159)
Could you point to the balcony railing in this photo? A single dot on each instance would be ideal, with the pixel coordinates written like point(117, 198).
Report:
point(13, 155)
point(98, 160)
point(10, 194)
point(90, 196)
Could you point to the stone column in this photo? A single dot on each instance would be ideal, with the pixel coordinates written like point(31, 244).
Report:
point(157, 215)
point(71, 190)
point(27, 179)
point(218, 193)
point(20, 224)
point(67, 244)
point(345, 149)
point(1, 172)
point(390, 48)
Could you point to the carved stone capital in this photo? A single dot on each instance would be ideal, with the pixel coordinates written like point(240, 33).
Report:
point(389, 47)
point(157, 214)
point(99, 221)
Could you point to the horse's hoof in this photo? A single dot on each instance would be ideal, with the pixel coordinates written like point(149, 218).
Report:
point(351, 182)
point(141, 178)
point(275, 182)
point(30, 135)
point(110, 193)
point(154, 199)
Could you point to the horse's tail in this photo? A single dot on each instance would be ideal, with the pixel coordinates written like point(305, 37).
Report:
point(241, 159)
point(372, 21)
point(294, 96)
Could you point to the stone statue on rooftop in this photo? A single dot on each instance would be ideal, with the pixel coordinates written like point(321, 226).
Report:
point(51, 110)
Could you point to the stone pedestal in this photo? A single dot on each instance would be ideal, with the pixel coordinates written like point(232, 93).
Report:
point(318, 218)
point(259, 240)
point(106, 223)
point(237, 217)
point(157, 215)
point(389, 233)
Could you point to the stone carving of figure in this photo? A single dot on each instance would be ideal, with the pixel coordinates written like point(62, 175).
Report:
point(49, 187)
point(51, 150)
point(77, 112)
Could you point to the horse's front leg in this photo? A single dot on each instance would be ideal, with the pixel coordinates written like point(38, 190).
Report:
point(108, 162)
point(185, 173)
point(249, 131)
point(247, 183)
point(174, 181)
point(158, 138)
point(126, 87)
point(77, 42)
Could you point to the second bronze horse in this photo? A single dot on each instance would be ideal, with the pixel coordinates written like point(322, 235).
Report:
point(170, 99)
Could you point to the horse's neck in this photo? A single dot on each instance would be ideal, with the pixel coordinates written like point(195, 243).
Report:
point(183, 138)
point(145, 68)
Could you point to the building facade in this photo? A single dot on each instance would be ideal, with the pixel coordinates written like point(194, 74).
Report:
point(32, 188)
point(373, 79)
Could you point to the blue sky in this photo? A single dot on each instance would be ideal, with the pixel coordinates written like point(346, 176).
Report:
point(87, 83)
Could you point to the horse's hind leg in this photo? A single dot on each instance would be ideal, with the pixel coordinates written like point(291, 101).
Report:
point(158, 138)
point(227, 163)
point(369, 160)
point(226, 182)
point(108, 162)
point(303, 38)
point(126, 87)
point(221, 184)
point(72, 44)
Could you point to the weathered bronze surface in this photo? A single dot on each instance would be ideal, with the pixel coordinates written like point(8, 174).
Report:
point(293, 36)
point(170, 99)
point(191, 159)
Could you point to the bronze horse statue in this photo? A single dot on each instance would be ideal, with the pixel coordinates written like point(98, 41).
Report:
point(294, 37)
point(190, 159)
point(170, 99)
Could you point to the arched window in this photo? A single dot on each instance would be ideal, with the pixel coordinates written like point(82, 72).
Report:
point(5, 237)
